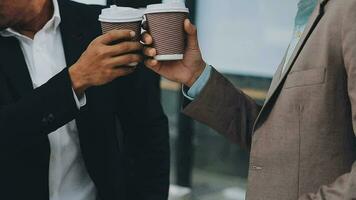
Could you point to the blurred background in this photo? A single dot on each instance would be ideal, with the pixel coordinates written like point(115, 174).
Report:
point(246, 41)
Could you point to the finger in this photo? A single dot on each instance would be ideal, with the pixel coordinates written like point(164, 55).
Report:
point(150, 52)
point(122, 71)
point(192, 35)
point(147, 39)
point(125, 60)
point(124, 48)
point(115, 35)
point(154, 65)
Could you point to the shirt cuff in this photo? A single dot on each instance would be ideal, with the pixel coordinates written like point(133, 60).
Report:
point(81, 102)
point(199, 84)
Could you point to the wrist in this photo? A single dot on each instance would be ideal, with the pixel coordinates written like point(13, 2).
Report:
point(196, 74)
point(79, 84)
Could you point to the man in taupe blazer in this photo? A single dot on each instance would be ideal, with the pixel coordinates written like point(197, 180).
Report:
point(302, 140)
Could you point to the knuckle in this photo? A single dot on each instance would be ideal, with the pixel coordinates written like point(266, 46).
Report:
point(93, 44)
point(110, 35)
point(124, 47)
point(132, 58)
point(100, 51)
point(136, 58)
point(116, 73)
point(104, 63)
point(126, 32)
point(107, 72)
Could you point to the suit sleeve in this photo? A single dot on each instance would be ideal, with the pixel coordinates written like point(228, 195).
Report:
point(146, 137)
point(226, 109)
point(344, 187)
point(27, 121)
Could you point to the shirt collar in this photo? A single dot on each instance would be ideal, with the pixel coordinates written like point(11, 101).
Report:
point(53, 23)
point(305, 9)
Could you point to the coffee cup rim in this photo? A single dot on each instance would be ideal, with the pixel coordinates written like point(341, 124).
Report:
point(106, 16)
point(166, 8)
point(122, 20)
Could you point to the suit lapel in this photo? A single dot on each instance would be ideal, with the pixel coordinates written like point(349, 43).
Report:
point(72, 32)
point(314, 20)
point(14, 66)
point(276, 77)
point(278, 81)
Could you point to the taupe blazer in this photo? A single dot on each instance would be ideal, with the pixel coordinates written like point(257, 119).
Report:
point(302, 140)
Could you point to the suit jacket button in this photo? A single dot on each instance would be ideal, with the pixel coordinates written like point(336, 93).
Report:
point(50, 118)
point(254, 167)
point(44, 120)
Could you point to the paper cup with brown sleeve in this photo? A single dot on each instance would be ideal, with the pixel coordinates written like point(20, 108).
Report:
point(120, 18)
point(166, 25)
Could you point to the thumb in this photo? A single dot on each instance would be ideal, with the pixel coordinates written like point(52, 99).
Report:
point(192, 35)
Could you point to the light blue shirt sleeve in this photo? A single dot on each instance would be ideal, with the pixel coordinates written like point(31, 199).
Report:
point(199, 84)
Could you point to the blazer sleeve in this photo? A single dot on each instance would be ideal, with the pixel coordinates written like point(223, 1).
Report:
point(27, 121)
point(344, 187)
point(226, 109)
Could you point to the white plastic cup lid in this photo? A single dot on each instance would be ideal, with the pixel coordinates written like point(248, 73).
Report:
point(167, 7)
point(121, 14)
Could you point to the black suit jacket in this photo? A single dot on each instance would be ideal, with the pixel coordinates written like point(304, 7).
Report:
point(123, 131)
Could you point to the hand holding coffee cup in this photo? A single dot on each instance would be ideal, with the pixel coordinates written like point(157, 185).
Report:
point(113, 54)
point(122, 18)
point(101, 62)
point(184, 71)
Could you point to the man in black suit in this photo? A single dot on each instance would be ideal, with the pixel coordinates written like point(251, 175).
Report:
point(76, 123)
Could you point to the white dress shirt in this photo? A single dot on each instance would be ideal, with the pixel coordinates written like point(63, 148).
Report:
point(44, 55)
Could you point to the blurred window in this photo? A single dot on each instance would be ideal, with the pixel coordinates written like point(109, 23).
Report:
point(245, 37)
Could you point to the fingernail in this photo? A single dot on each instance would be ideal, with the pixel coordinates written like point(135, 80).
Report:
point(132, 33)
point(152, 51)
point(134, 64)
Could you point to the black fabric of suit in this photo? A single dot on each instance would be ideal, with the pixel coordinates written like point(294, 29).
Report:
point(123, 131)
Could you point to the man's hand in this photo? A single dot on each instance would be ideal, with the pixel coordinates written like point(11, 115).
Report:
point(185, 71)
point(103, 62)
